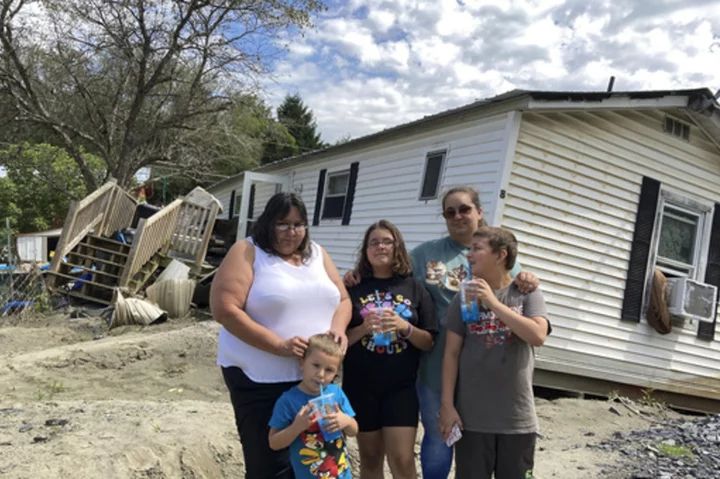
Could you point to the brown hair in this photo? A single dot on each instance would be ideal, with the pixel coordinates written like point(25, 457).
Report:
point(500, 239)
point(326, 344)
point(401, 264)
point(472, 193)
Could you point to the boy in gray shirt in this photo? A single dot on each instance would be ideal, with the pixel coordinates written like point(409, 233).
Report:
point(488, 365)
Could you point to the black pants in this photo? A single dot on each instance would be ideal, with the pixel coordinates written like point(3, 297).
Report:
point(253, 405)
point(509, 456)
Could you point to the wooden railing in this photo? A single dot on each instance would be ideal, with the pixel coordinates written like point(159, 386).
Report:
point(153, 235)
point(120, 212)
point(83, 216)
point(193, 230)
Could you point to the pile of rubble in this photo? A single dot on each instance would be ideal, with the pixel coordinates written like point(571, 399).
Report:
point(680, 448)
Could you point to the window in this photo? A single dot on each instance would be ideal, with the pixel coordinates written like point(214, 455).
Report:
point(680, 236)
point(238, 202)
point(676, 128)
point(680, 242)
point(431, 177)
point(335, 194)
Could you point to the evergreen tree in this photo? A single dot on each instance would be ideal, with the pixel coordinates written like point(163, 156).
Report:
point(300, 122)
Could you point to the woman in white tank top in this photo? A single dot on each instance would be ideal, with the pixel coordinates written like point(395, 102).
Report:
point(271, 292)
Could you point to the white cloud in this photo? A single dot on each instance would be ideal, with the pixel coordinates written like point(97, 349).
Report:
point(381, 20)
point(373, 64)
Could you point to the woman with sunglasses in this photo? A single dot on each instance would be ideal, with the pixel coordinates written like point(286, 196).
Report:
point(272, 291)
point(441, 265)
point(393, 320)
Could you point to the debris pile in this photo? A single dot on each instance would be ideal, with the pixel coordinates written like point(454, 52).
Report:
point(680, 448)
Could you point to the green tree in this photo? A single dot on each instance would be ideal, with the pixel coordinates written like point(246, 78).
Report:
point(41, 183)
point(238, 140)
point(137, 82)
point(300, 122)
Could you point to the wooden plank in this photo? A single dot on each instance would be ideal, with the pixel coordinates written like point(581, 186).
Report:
point(109, 241)
point(100, 248)
point(199, 237)
point(75, 278)
point(207, 233)
point(94, 258)
point(95, 271)
point(61, 248)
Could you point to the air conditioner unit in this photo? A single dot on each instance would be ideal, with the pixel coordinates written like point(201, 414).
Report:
point(691, 299)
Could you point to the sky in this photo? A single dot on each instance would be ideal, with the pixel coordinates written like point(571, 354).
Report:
point(372, 64)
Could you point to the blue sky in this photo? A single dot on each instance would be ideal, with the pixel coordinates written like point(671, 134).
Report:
point(372, 64)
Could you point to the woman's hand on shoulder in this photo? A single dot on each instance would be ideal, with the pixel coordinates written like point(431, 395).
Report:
point(352, 278)
point(526, 282)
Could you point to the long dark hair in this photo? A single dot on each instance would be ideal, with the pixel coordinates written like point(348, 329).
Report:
point(277, 208)
point(474, 197)
point(401, 264)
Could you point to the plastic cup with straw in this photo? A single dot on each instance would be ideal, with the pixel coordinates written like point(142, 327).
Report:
point(321, 407)
point(469, 311)
point(380, 338)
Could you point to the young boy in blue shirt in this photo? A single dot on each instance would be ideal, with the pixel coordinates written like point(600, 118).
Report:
point(294, 425)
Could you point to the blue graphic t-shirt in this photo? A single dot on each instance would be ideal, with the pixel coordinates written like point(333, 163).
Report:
point(371, 365)
point(310, 455)
point(441, 265)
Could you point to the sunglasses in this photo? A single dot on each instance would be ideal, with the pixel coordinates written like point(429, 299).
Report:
point(464, 210)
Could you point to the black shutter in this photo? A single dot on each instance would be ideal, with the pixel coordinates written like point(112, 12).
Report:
point(706, 330)
point(232, 205)
point(319, 197)
point(350, 194)
point(640, 252)
point(251, 207)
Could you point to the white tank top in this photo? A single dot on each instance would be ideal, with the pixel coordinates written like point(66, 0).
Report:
point(289, 301)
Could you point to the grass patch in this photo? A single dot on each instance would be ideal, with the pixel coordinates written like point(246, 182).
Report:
point(675, 451)
point(49, 391)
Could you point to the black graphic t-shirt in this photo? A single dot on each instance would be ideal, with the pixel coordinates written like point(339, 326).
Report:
point(369, 364)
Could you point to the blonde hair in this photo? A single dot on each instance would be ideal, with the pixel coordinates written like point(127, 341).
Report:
point(326, 344)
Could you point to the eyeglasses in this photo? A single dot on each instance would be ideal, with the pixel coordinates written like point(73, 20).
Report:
point(450, 213)
point(299, 227)
point(376, 244)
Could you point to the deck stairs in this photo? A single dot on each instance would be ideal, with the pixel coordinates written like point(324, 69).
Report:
point(91, 261)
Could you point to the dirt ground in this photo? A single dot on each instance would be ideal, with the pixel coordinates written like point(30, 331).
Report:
point(77, 401)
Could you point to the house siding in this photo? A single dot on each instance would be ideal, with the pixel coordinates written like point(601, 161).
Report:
point(572, 200)
point(223, 196)
point(389, 180)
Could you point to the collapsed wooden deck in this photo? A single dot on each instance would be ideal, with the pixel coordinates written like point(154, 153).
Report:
point(91, 259)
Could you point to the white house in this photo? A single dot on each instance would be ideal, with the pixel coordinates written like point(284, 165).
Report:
point(600, 188)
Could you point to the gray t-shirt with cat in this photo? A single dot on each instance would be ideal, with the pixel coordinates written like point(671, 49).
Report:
point(494, 390)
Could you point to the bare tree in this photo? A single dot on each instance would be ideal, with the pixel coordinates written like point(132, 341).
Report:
point(138, 82)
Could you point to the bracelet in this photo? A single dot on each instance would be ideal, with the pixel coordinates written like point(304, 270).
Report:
point(410, 330)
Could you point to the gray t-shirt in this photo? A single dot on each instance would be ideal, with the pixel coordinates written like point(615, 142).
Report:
point(494, 390)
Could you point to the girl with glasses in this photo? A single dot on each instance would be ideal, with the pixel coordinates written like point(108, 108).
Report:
point(379, 377)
